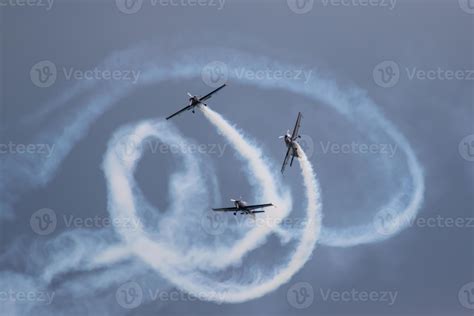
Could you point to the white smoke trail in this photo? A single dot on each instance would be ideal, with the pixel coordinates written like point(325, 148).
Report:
point(182, 266)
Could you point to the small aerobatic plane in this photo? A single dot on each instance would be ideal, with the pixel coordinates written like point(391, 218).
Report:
point(290, 141)
point(195, 100)
point(243, 208)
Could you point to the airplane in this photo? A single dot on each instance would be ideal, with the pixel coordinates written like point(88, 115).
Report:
point(242, 207)
point(291, 144)
point(195, 100)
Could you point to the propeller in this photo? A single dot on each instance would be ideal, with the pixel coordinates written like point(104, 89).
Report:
point(190, 95)
point(287, 133)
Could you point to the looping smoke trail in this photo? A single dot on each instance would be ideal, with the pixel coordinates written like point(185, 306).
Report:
point(183, 267)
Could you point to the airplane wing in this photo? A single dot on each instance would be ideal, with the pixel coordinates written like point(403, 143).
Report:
point(209, 95)
point(253, 212)
point(225, 209)
point(253, 207)
point(297, 126)
point(179, 112)
point(285, 162)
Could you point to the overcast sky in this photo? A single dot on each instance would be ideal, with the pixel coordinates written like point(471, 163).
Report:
point(427, 269)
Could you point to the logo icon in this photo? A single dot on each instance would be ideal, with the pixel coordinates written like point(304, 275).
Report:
point(386, 74)
point(466, 295)
point(129, 295)
point(466, 148)
point(215, 74)
point(214, 223)
point(307, 144)
point(467, 6)
point(43, 221)
point(43, 74)
point(129, 6)
point(387, 222)
point(300, 295)
point(128, 147)
point(300, 6)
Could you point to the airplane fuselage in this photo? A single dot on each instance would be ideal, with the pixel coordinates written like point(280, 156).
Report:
point(241, 205)
point(291, 143)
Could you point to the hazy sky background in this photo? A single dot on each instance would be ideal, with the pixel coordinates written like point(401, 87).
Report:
point(425, 266)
